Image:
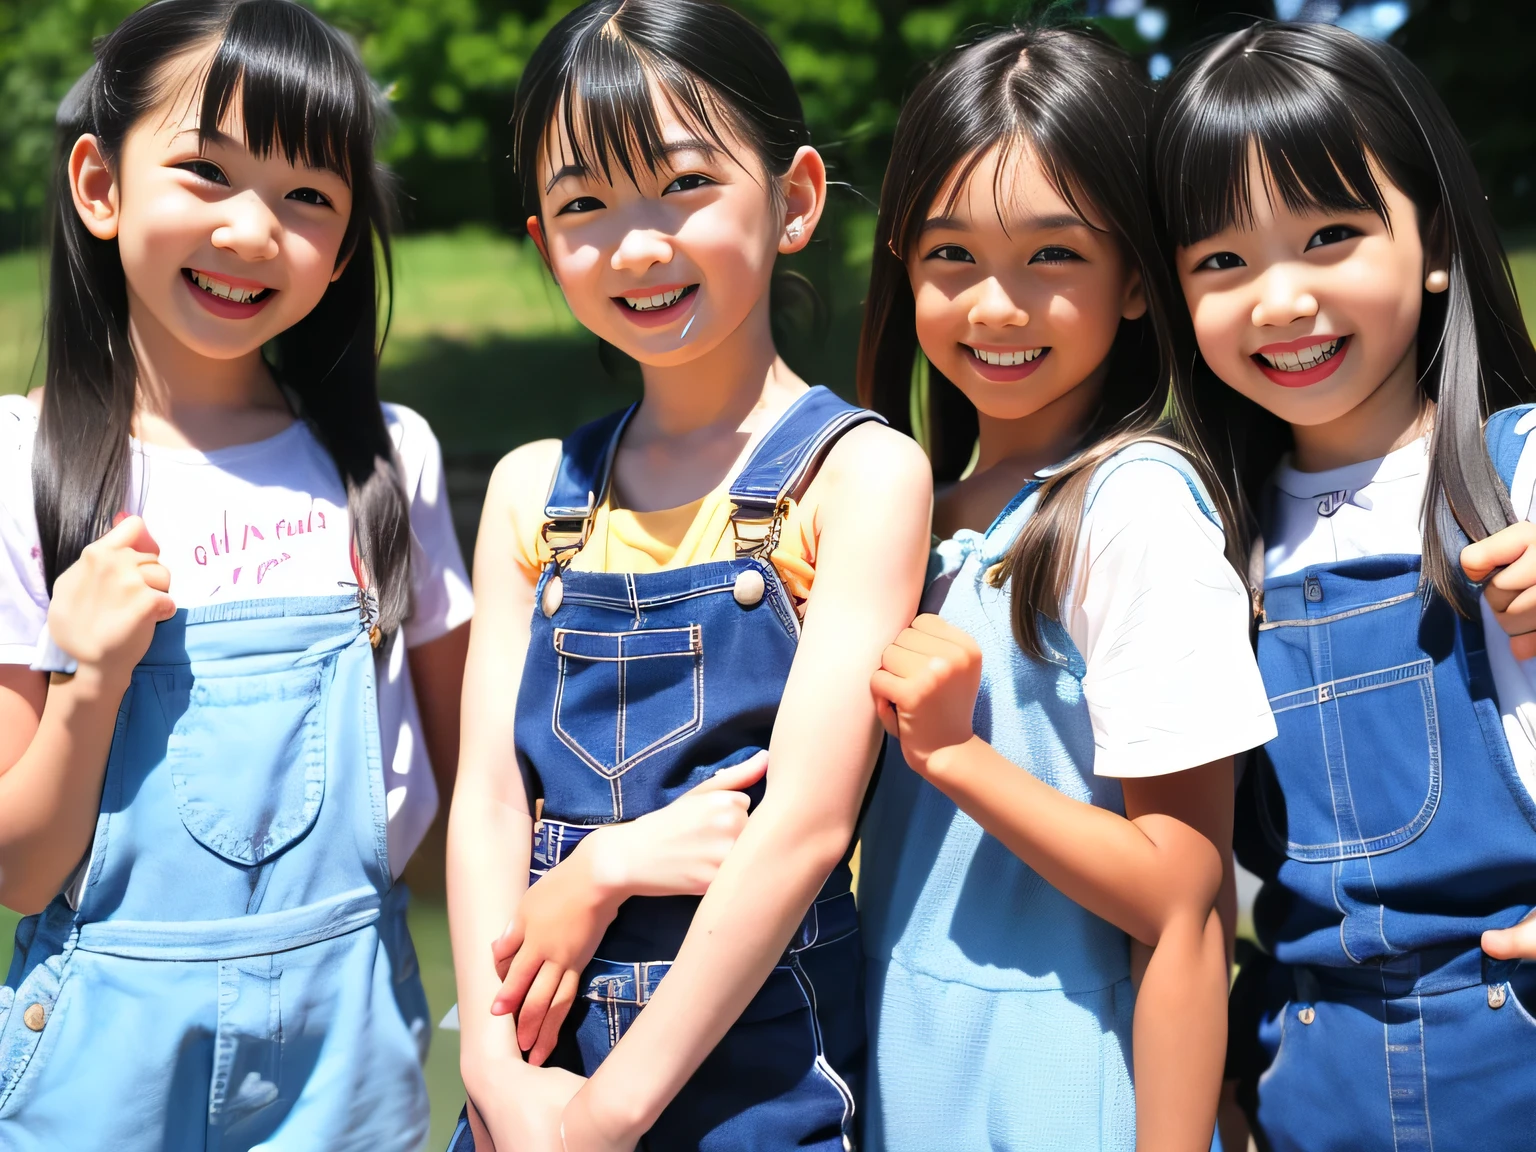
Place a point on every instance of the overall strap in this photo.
(581, 482)
(1506, 439)
(1163, 454)
(787, 455)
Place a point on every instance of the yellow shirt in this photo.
(626, 541)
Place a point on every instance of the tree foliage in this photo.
(451, 66)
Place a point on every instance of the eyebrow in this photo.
(691, 144)
(221, 138)
(1031, 223)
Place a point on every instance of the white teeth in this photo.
(1008, 359)
(1304, 358)
(225, 291)
(651, 303)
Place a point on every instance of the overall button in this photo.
(1313, 590)
(1307, 1014)
(1496, 995)
(35, 1017)
(749, 587)
(554, 593)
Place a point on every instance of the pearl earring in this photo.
(1437, 281)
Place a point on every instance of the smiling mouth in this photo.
(659, 301)
(222, 290)
(1009, 359)
(1303, 359)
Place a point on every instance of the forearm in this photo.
(737, 937)
(1140, 875)
(1179, 1039)
(50, 797)
(489, 844)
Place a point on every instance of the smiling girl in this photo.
(1070, 708)
(213, 760)
(707, 574)
(1351, 298)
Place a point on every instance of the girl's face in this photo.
(668, 266)
(1308, 313)
(1018, 298)
(222, 250)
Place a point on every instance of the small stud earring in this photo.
(794, 231)
(1437, 281)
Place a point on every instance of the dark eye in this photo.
(1054, 254)
(310, 196)
(951, 252)
(581, 204)
(206, 170)
(687, 183)
(1220, 262)
(1333, 234)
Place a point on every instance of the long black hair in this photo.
(1079, 104)
(301, 90)
(1321, 105)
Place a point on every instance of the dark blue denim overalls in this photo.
(1390, 828)
(637, 687)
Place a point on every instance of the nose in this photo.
(640, 250)
(250, 229)
(1283, 300)
(993, 307)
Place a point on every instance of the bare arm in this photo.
(490, 826)
(872, 515)
(437, 677)
(104, 612)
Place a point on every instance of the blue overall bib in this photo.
(638, 687)
(1391, 829)
(238, 971)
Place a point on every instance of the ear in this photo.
(94, 188)
(1133, 301)
(805, 198)
(536, 234)
(341, 265)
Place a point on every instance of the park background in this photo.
(481, 342)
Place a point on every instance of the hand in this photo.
(524, 1118)
(1517, 943)
(1509, 558)
(925, 689)
(674, 851)
(106, 604)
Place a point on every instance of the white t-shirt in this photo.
(1373, 508)
(1161, 620)
(259, 520)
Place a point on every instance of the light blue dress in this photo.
(999, 1010)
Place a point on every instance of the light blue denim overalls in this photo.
(239, 971)
(637, 687)
(1390, 827)
(1000, 1011)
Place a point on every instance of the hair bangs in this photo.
(608, 108)
(298, 88)
(1313, 149)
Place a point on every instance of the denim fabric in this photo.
(1000, 1010)
(238, 971)
(1391, 829)
(637, 688)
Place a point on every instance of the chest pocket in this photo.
(1355, 769)
(246, 755)
(623, 696)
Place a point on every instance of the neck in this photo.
(178, 385)
(1394, 415)
(718, 390)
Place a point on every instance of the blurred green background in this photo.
(482, 343)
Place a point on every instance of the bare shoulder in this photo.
(875, 463)
(514, 499)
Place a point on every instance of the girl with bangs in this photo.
(1070, 703)
(1356, 324)
(222, 563)
(672, 590)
